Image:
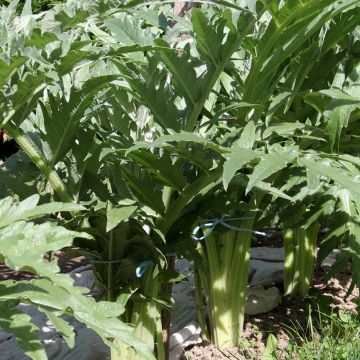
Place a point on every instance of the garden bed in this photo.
(291, 314)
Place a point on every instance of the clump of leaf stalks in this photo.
(111, 112)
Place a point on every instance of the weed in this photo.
(326, 337)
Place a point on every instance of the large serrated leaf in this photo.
(22, 245)
(327, 168)
(289, 29)
(282, 129)
(209, 38)
(183, 71)
(338, 113)
(39, 40)
(6, 70)
(161, 168)
(144, 190)
(116, 214)
(62, 118)
(270, 163)
(26, 333)
(28, 209)
(248, 136)
(61, 326)
(235, 161)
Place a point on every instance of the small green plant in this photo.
(325, 337)
(270, 349)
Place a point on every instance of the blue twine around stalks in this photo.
(139, 271)
(210, 224)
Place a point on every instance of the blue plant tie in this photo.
(142, 267)
(210, 224)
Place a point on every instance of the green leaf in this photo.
(338, 113)
(61, 326)
(39, 40)
(350, 206)
(209, 38)
(12, 213)
(7, 70)
(51, 208)
(148, 83)
(177, 137)
(282, 129)
(277, 158)
(288, 30)
(267, 188)
(277, 101)
(340, 95)
(172, 276)
(237, 105)
(62, 119)
(67, 63)
(26, 210)
(235, 161)
(29, 86)
(162, 168)
(127, 31)
(271, 347)
(144, 189)
(183, 71)
(22, 245)
(26, 333)
(313, 179)
(116, 214)
(247, 138)
(324, 167)
(69, 22)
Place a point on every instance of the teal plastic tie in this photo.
(210, 224)
(142, 267)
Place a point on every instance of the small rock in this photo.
(266, 273)
(84, 277)
(260, 300)
(265, 253)
(329, 261)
